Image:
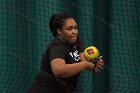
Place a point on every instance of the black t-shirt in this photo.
(58, 49)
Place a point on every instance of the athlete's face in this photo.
(69, 31)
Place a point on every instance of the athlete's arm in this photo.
(62, 70)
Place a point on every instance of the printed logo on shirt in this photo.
(75, 55)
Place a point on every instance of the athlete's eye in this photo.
(69, 28)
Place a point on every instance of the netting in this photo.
(112, 25)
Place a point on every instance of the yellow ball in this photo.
(92, 54)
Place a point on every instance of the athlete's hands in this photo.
(99, 65)
(90, 66)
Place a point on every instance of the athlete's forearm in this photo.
(67, 70)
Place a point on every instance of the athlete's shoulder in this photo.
(56, 44)
(55, 41)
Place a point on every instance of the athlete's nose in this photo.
(75, 30)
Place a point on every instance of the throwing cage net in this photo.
(112, 26)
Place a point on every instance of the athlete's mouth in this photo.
(74, 37)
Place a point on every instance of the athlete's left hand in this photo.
(99, 65)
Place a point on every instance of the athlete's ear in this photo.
(59, 31)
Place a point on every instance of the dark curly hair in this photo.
(57, 21)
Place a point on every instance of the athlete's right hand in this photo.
(90, 66)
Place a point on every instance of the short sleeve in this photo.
(80, 50)
(57, 51)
